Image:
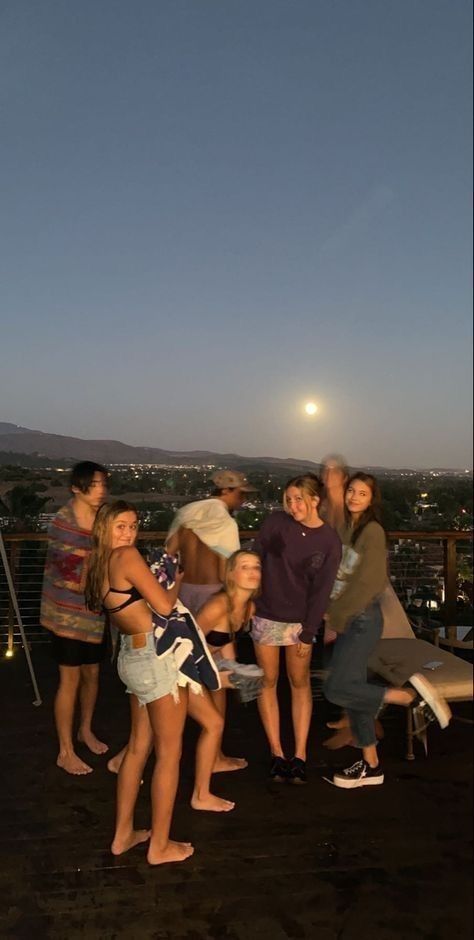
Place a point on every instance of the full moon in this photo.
(310, 408)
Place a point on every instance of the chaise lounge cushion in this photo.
(395, 660)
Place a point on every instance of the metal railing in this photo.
(424, 569)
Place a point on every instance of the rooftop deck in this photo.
(310, 862)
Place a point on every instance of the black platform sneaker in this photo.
(297, 771)
(360, 774)
(279, 771)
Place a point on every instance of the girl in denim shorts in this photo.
(120, 582)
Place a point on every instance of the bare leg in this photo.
(64, 705)
(341, 738)
(339, 725)
(343, 735)
(399, 696)
(128, 784)
(222, 763)
(167, 719)
(268, 658)
(203, 710)
(301, 698)
(88, 690)
(115, 762)
(370, 755)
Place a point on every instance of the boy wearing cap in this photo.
(205, 534)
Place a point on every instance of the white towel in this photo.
(211, 521)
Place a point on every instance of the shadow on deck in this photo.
(309, 862)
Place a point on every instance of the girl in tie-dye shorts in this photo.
(274, 632)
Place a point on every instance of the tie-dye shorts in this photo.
(274, 632)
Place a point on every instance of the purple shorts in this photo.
(194, 596)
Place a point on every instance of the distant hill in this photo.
(16, 440)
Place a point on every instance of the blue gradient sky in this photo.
(212, 211)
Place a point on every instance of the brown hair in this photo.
(373, 513)
(310, 486)
(101, 550)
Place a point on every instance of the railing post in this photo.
(13, 561)
(451, 587)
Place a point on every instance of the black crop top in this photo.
(215, 638)
(134, 595)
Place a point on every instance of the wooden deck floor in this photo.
(310, 862)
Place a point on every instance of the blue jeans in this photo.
(347, 683)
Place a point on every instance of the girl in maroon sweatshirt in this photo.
(300, 557)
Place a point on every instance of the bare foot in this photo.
(338, 725)
(342, 738)
(211, 803)
(379, 731)
(174, 852)
(73, 764)
(136, 837)
(93, 743)
(225, 764)
(115, 763)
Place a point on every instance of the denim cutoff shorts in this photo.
(144, 674)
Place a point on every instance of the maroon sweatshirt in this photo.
(299, 566)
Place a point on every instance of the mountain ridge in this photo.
(30, 441)
(19, 440)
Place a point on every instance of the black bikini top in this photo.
(218, 638)
(215, 638)
(133, 595)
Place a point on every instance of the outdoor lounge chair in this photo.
(400, 653)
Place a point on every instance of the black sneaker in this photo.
(297, 771)
(361, 774)
(279, 771)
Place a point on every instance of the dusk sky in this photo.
(213, 211)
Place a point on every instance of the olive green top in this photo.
(362, 575)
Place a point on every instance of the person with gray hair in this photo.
(334, 474)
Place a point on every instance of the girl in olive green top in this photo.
(355, 614)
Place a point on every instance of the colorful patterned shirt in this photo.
(63, 609)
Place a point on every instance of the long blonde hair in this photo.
(101, 551)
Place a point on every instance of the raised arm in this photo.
(173, 542)
(135, 570)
